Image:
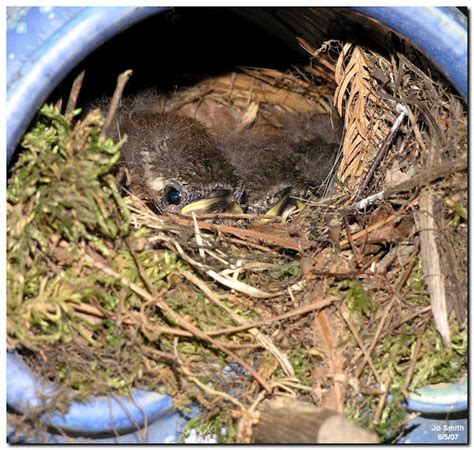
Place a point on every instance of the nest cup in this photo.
(45, 45)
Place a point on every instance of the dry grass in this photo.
(332, 307)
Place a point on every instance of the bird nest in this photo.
(355, 296)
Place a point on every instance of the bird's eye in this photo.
(173, 196)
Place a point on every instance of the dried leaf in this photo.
(351, 100)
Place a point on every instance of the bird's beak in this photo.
(222, 203)
(283, 208)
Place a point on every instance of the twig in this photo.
(250, 244)
(411, 369)
(406, 274)
(383, 150)
(375, 339)
(192, 99)
(423, 178)
(379, 410)
(361, 346)
(225, 281)
(370, 228)
(366, 231)
(416, 131)
(183, 323)
(141, 269)
(209, 293)
(409, 318)
(243, 233)
(264, 340)
(114, 104)
(441, 170)
(159, 353)
(355, 251)
(242, 287)
(197, 233)
(335, 363)
(74, 94)
(203, 386)
(90, 310)
(433, 273)
(295, 312)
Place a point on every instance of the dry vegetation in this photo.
(354, 297)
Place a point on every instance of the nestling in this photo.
(278, 165)
(176, 164)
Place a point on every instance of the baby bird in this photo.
(277, 165)
(175, 165)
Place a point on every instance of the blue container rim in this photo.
(86, 28)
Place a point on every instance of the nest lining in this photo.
(332, 307)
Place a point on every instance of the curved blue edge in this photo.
(36, 66)
(443, 398)
(440, 33)
(447, 49)
(46, 59)
(43, 46)
(103, 416)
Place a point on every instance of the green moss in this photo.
(219, 427)
(287, 271)
(393, 416)
(358, 300)
(441, 363)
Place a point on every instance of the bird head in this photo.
(175, 165)
(281, 165)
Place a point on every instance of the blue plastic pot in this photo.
(43, 45)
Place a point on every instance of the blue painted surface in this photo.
(43, 48)
(45, 44)
(99, 416)
(436, 431)
(29, 30)
(440, 33)
(167, 430)
(443, 398)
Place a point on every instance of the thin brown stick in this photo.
(411, 317)
(334, 359)
(192, 99)
(442, 170)
(379, 224)
(209, 390)
(370, 228)
(91, 310)
(114, 104)
(245, 326)
(411, 369)
(423, 178)
(376, 338)
(183, 323)
(242, 232)
(159, 353)
(251, 244)
(74, 94)
(355, 251)
(361, 346)
(406, 274)
(380, 407)
(382, 151)
(257, 334)
(141, 269)
(296, 312)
